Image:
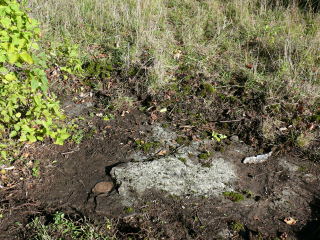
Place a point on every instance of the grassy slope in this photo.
(270, 50)
(215, 36)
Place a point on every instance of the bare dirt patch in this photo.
(260, 197)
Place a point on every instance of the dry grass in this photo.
(274, 44)
(216, 37)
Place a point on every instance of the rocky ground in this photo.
(153, 182)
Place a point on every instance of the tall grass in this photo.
(215, 37)
(271, 46)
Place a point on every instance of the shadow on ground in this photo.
(312, 230)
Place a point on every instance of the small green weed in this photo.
(65, 228)
(146, 146)
(122, 103)
(217, 136)
(77, 133)
(36, 168)
(77, 136)
(66, 55)
(207, 89)
(233, 196)
(248, 193)
(129, 210)
(204, 155)
(237, 226)
(181, 140)
(305, 139)
(108, 117)
(98, 69)
(182, 160)
(302, 169)
(206, 164)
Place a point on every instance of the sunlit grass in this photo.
(273, 45)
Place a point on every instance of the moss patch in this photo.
(233, 196)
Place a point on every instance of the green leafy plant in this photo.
(217, 136)
(36, 168)
(237, 226)
(108, 117)
(28, 112)
(66, 55)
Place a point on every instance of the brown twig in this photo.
(227, 121)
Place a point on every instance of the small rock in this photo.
(257, 159)
(309, 178)
(234, 138)
(289, 166)
(225, 234)
(102, 187)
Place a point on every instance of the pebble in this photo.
(309, 178)
(234, 138)
(102, 187)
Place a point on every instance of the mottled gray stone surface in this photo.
(176, 174)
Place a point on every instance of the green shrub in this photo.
(28, 112)
(66, 55)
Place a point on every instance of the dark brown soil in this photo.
(66, 185)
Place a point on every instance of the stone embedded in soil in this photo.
(288, 165)
(179, 174)
(234, 138)
(225, 234)
(257, 159)
(75, 109)
(309, 178)
(102, 187)
(164, 136)
(171, 175)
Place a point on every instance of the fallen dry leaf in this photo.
(26, 155)
(195, 138)
(124, 113)
(249, 66)
(311, 126)
(101, 55)
(177, 55)
(163, 110)
(162, 152)
(284, 236)
(290, 221)
(256, 218)
(153, 116)
(4, 178)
